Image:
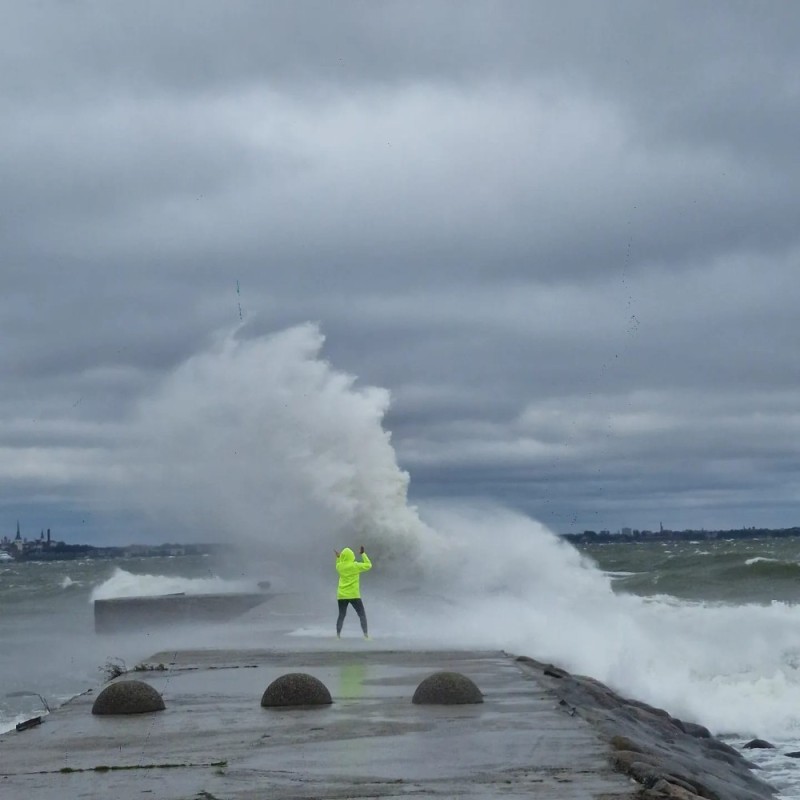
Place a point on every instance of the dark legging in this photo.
(359, 607)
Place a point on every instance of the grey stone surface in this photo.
(759, 744)
(447, 688)
(296, 689)
(654, 748)
(128, 697)
(214, 740)
(133, 613)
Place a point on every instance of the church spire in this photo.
(18, 536)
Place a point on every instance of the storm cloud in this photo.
(562, 236)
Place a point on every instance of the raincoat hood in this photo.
(347, 555)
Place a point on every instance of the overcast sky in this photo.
(563, 236)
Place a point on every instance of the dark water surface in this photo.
(731, 571)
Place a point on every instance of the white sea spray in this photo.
(262, 445)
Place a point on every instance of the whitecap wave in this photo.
(513, 585)
(259, 441)
(128, 584)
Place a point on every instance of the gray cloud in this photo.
(563, 237)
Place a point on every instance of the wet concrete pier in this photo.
(215, 741)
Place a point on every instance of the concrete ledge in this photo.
(214, 739)
(122, 613)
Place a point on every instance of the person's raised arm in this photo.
(365, 562)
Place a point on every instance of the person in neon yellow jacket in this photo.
(349, 591)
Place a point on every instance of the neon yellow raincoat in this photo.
(349, 573)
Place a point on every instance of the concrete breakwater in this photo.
(121, 613)
(538, 732)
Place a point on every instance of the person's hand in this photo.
(337, 553)
(361, 551)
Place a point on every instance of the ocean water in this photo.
(50, 651)
(660, 622)
(744, 596)
(258, 442)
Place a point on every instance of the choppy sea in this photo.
(757, 583)
(708, 629)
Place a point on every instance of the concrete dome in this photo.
(128, 697)
(296, 689)
(447, 688)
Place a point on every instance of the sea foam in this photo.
(260, 443)
(128, 584)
